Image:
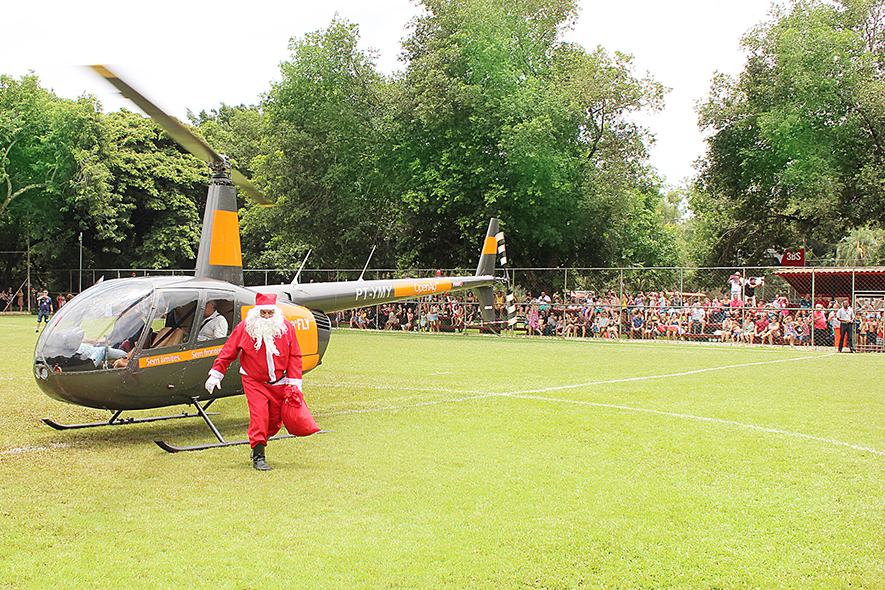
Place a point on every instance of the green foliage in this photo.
(493, 116)
(49, 148)
(797, 154)
(863, 246)
(237, 132)
(68, 169)
(161, 190)
(319, 160)
(496, 117)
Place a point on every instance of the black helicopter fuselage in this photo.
(106, 348)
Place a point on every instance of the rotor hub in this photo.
(220, 171)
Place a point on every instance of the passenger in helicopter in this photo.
(214, 325)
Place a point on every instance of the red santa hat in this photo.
(266, 301)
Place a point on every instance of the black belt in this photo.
(277, 381)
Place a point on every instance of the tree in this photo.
(319, 157)
(68, 169)
(495, 116)
(862, 246)
(796, 154)
(46, 143)
(158, 191)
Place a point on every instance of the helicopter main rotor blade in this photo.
(181, 134)
(250, 189)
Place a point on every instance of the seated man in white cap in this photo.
(270, 363)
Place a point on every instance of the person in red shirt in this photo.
(821, 332)
(270, 364)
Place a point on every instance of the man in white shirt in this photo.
(736, 283)
(698, 315)
(845, 316)
(214, 325)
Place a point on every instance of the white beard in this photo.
(265, 330)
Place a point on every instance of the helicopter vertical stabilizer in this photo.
(486, 267)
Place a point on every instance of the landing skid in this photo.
(117, 421)
(201, 411)
(224, 443)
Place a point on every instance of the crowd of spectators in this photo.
(12, 301)
(430, 314)
(741, 316)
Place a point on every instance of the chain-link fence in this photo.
(724, 304)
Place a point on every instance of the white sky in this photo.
(183, 56)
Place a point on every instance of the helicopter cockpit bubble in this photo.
(97, 327)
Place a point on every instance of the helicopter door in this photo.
(174, 316)
(216, 318)
(162, 349)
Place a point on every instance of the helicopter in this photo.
(139, 343)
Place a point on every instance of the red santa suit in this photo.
(266, 376)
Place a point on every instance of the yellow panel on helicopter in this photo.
(225, 248)
(422, 287)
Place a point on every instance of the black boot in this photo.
(258, 461)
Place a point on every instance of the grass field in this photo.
(470, 462)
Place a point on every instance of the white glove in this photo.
(211, 383)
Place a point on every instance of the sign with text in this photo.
(793, 257)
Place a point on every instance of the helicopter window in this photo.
(217, 317)
(99, 327)
(173, 318)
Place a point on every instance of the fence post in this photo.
(813, 307)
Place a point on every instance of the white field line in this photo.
(527, 395)
(700, 418)
(480, 394)
(416, 405)
(20, 450)
(668, 375)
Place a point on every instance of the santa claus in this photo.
(270, 363)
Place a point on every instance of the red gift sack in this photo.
(296, 417)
